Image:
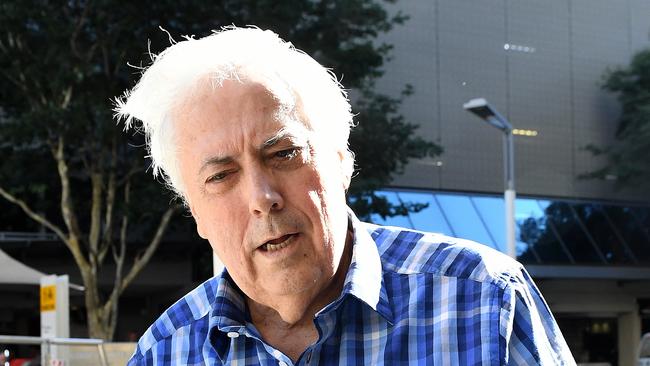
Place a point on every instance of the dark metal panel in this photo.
(639, 16)
(454, 50)
(472, 64)
(540, 94)
(413, 62)
(599, 36)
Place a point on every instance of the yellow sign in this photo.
(48, 298)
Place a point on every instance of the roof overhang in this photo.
(589, 272)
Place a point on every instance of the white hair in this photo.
(228, 55)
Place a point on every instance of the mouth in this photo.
(277, 243)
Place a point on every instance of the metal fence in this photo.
(47, 343)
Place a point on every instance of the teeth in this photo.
(271, 247)
(274, 247)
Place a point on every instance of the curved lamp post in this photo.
(481, 108)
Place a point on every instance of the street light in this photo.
(486, 112)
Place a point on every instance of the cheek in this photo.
(323, 198)
(223, 228)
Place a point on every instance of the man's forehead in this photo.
(227, 109)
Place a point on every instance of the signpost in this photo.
(55, 318)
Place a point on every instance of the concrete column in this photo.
(629, 335)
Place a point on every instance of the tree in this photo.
(62, 62)
(59, 68)
(383, 142)
(627, 156)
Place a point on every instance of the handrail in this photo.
(11, 236)
(14, 339)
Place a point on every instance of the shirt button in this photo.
(233, 334)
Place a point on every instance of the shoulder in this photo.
(405, 251)
(186, 319)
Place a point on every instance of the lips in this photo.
(277, 243)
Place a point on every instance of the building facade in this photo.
(541, 64)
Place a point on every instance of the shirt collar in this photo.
(229, 309)
(363, 281)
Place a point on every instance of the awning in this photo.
(13, 272)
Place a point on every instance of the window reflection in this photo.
(402, 221)
(561, 216)
(630, 223)
(547, 232)
(429, 219)
(464, 219)
(611, 245)
(491, 210)
(545, 245)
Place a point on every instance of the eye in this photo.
(287, 154)
(216, 178)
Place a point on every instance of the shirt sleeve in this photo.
(529, 332)
(136, 360)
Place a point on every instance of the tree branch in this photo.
(95, 217)
(119, 258)
(118, 64)
(140, 262)
(69, 215)
(33, 215)
(15, 81)
(67, 96)
(133, 171)
(77, 30)
(111, 304)
(107, 236)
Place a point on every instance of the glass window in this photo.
(429, 219)
(611, 245)
(633, 224)
(561, 216)
(547, 232)
(543, 243)
(492, 211)
(401, 221)
(464, 219)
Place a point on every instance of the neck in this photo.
(290, 320)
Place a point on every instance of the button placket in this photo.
(278, 356)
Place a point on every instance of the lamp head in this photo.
(482, 109)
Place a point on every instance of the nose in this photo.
(264, 198)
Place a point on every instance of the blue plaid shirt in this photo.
(409, 298)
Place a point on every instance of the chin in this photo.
(295, 283)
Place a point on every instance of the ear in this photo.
(199, 227)
(346, 168)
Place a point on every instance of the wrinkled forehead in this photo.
(232, 102)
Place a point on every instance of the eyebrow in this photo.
(273, 140)
(267, 144)
(215, 160)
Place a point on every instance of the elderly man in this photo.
(252, 134)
